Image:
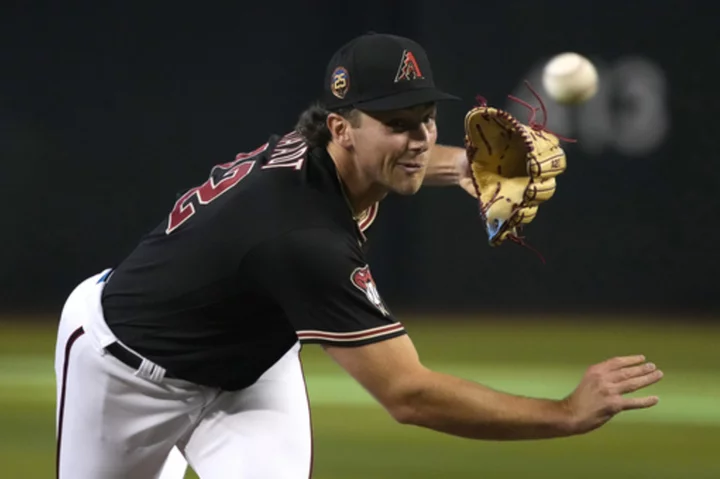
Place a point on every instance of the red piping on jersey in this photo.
(351, 336)
(370, 218)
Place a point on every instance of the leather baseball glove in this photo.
(513, 167)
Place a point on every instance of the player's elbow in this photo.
(407, 405)
(403, 413)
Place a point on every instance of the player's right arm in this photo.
(320, 280)
(391, 371)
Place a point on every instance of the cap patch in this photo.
(340, 82)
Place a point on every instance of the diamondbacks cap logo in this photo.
(340, 82)
(363, 280)
(409, 68)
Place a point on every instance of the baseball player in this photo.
(191, 343)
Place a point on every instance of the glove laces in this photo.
(521, 241)
(534, 125)
(539, 127)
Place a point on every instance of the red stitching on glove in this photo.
(533, 111)
(521, 241)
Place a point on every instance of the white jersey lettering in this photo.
(289, 152)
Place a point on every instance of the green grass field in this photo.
(355, 438)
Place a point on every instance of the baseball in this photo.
(570, 78)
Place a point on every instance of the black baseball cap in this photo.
(375, 72)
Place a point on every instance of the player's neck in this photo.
(360, 192)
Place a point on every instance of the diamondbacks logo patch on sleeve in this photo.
(362, 279)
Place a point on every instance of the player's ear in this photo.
(339, 128)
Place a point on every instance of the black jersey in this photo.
(262, 254)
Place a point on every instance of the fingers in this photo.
(639, 403)
(633, 377)
(623, 362)
(633, 384)
(540, 191)
(526, 215)
(633, 372)
(548, 165)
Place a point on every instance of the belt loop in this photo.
(151, 371)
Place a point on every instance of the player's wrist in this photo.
(568, 422)
(462, 166)
(447, 165)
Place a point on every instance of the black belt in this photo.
(120, 352)
(129, 358)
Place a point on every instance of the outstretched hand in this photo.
(601, 392)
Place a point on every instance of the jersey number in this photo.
(206, 193)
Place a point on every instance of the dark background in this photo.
(108, 109)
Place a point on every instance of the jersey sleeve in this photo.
(323, 284)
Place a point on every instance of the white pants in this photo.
(114, 422)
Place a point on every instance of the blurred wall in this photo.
(107, 111)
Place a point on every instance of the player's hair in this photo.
(312, 124)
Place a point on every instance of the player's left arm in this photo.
(448, 166)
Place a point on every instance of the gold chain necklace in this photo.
(359, 217)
